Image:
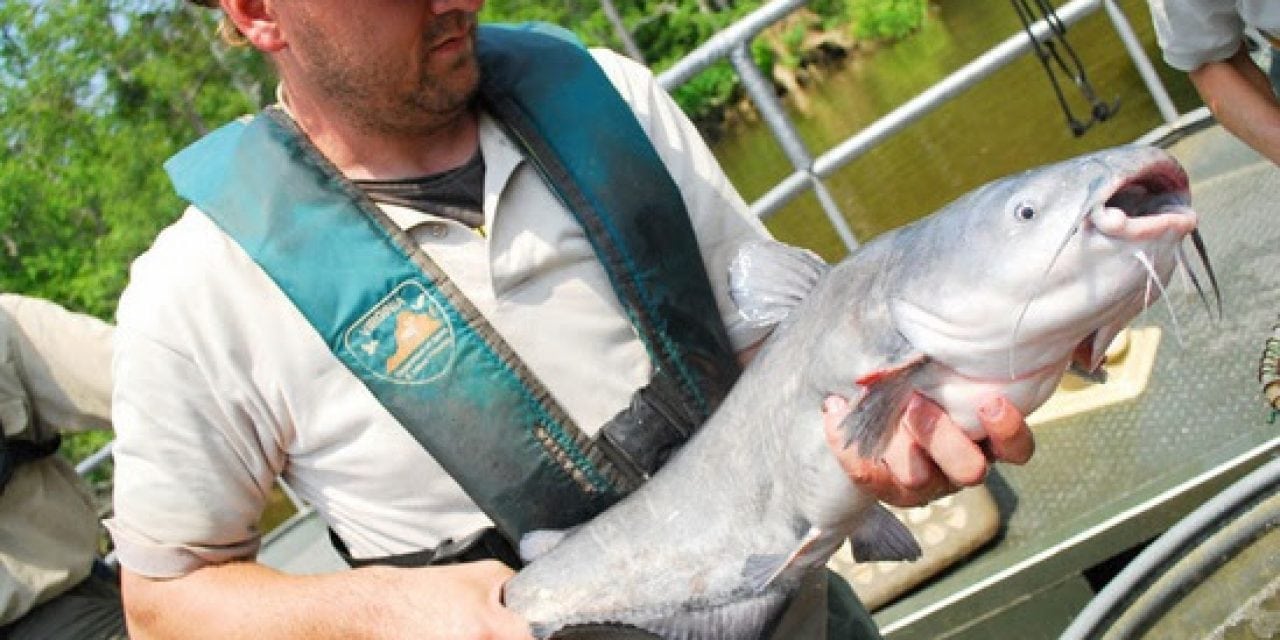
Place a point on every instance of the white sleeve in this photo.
(1192, 33)
(194, 460)
(721, 219)
(63, 360)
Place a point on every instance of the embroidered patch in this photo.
(406, 338)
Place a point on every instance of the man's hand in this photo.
(928, 455)
(466, 604)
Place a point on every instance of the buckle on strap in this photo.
(15, 451)
(654, 426)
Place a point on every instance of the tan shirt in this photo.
(54, 376)
(1192, 33)
(221, 384)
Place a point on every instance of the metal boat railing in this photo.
(734, 43)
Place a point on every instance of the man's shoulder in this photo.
(621, 70)
(190, 246)
(190, 264)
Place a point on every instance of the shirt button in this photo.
(435, 229)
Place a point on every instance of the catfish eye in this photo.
(1024, 212)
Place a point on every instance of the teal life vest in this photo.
(391, 316)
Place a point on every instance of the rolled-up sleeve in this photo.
(193, 461)
(1192, 33)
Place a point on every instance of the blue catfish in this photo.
(997, 293)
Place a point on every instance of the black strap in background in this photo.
(485, 544)
(14, 452)
(1054, 62)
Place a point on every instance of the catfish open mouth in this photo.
(1162, 187)
(1150, 202)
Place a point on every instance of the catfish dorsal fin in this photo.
(882, 537)
(768, 279)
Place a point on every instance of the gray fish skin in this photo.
(714, 544)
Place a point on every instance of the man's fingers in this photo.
(958, 457)
(908, 463)
(876, 478)
(1009, 438)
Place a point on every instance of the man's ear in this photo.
(256, 21)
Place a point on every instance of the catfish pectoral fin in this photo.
(884, 396)
(761, 570)
(882, 537)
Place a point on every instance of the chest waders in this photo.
(392, 317)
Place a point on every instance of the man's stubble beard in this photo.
(373, 99)
(374, 104)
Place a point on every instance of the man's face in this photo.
(394, 66)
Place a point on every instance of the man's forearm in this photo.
(1240, 97)
(250, 600)
(245, 600)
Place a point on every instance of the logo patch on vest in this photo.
(406, 338)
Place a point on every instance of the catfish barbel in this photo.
(997, 293)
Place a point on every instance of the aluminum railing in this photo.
(734, 44)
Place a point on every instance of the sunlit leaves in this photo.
(94, 96)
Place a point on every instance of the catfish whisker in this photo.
(1146, 294)
(1022, 315)
(1198, 242)
(1189, 276)
(1154, 277)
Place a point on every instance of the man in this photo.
(477, 349)
(1207, 40)
(54, 377)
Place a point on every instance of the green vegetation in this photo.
(94, 95)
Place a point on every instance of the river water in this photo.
(1009, 122)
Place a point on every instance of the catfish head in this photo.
(1003, 289)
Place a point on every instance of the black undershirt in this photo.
(457, 194)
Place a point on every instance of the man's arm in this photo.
(1240, 97)
(250, 600)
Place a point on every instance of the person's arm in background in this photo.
(1240, 96)
(65, 361)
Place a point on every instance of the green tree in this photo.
(94, 96)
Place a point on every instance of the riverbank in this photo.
(800, 52)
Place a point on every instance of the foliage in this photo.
(94, 96)
(886, 19)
